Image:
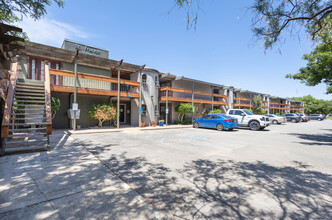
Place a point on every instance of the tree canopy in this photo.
(104, 112)
(12, 10)
(272, 18)
(183, 109)
(315, 106)
(319, 66)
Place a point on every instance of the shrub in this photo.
(104, 112)
(183, 109)
(250, 110)
(257, 105)
(215, 111)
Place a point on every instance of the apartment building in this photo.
(143, 94)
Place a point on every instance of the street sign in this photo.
(140, 110)
(75, 106)
(130, 96)
(166, 110)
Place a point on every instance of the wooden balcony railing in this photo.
(183, 95)
(94, 84)
(242, 99)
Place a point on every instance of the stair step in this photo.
(30, 90)
(25, 141)
(29, 97)
(23, 135)
(27, 129)
(30, 113)
(25, 149)
(27, 124)
(29, 105)
(29, 84)
(29, 101)
(30, 87)
(25, 118)
(30, 94)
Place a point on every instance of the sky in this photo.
(220, 50)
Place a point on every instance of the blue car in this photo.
(218, 121)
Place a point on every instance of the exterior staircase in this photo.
(27, 121)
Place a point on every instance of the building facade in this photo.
(143, 92)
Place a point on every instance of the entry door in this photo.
(122, 115)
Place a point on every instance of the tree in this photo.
(273, 17)
(104, 112)
(319, 66)
(12, 10)
(183, 109)
(315, 106)
(257, 105)
(55, 105)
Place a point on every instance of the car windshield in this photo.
(248, 112)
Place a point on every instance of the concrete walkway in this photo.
(67, 182)
(127, 128)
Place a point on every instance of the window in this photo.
(144, 77)
(232, 112)
(57, 77)
(156, 79)
(42, 70)
(33, 69)
(144, 109)
(206, 117)
(237, 112)
(215, 117)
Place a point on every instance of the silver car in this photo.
(276, 119)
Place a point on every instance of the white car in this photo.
(276, 119)
(248, 119)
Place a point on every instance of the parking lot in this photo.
(282, 172)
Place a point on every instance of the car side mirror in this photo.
(242, 114)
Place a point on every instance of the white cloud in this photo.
(50, 32)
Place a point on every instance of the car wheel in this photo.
(220, 127)
(319, 119)
(294, 120)
(196, 125)
(275, 122)
(254, 125)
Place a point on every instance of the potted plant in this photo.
(143, 124)
(153, 124)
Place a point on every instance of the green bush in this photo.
(183, 109)
(215, 111)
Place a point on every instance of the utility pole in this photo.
(75, 91)
(167, 105)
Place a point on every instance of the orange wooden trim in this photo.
(242, 99)
(201, 101)
(9, 101)
(190, 91)
(68, 89)
(242, 105)
(48, 100)
(93, 77)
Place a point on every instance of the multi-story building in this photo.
(144, 93)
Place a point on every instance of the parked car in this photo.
(304, 117)
(318, 117)
(292, 117)
(248, 119)
(218, 121)
(276, 119)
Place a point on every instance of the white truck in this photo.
(248, 119)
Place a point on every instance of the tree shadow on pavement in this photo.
(315, 139)
(226, 189)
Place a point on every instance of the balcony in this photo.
(182, 95)
(63, 81)
(279, 106)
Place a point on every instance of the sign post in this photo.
(75, 91)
